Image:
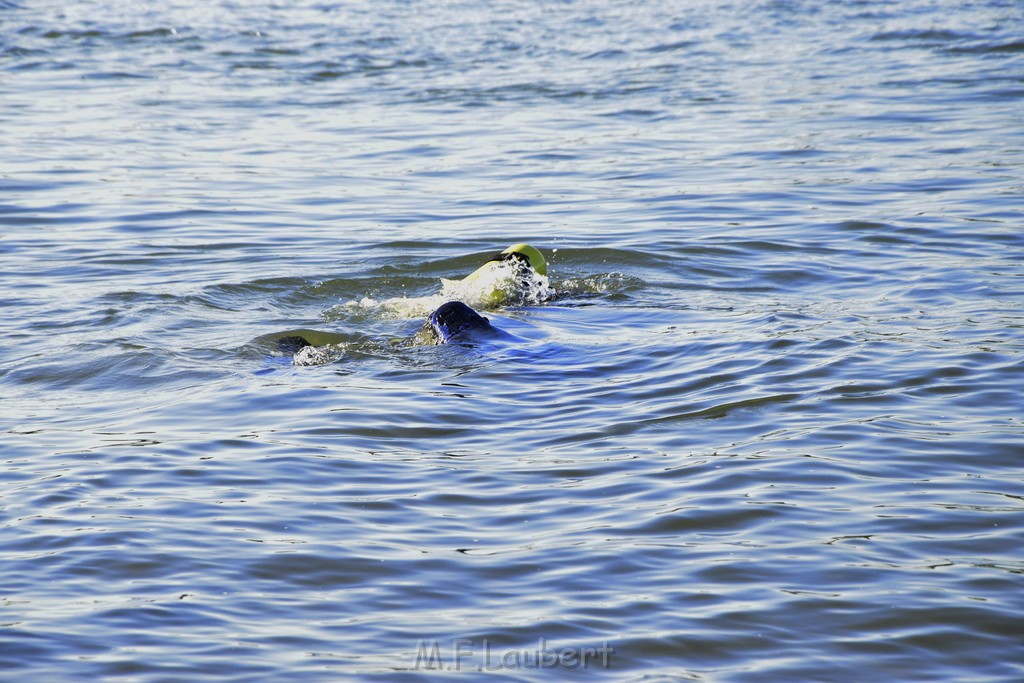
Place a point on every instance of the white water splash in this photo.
(506, 283)
(318, 355)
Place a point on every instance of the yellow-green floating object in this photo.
(521, 251)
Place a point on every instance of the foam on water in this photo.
(505, 283)
(319, 355)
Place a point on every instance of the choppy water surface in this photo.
(767, 428)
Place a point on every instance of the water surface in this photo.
(767, 428)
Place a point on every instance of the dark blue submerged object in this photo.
(451, 322)
(455, 321)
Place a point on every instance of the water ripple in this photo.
(763, 424)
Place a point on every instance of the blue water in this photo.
(767, 427)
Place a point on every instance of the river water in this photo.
(766, 427)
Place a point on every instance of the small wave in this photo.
(160, 32)
(1011, 47)
(593, 285)
(922, 35)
